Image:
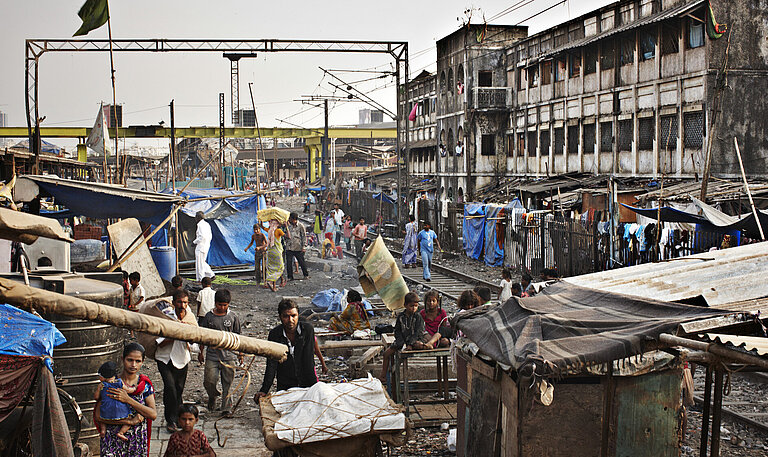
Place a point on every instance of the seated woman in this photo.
(434, 316)
(354, 317)
(328, 247)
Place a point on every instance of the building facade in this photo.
(472, 111)
(635, 88)
(422, 131)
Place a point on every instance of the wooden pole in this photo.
(114, 97)
(45, 301)
(145, 240)
(258, 131)
(203, 168)
(749, 193)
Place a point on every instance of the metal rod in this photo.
(705, 411)
(749, 193)
(114, 97)
(260, 147)
(717, 413)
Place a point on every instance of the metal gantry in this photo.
(36, 48)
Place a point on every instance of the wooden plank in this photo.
(482, 417)
(483, 368)
(510, 444)
(350, 344)
(358, 361)
(121, 234)
(388, 338)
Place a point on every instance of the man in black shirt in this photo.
(298, 370)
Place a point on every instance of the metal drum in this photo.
(88, 345)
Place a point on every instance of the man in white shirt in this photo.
(338, 220)
(202, 244)
(173, 357)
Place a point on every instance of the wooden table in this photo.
(400, 369)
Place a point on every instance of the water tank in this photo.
(165, 261)
(89, 344)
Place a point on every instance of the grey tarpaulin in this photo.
(566, 326)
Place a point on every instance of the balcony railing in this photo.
(490, 97)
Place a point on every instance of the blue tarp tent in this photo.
(28, 335)
(380, 196)
(494, 254)
(106, 201)
(474, 229)
(231, 220)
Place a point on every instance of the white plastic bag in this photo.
(451, 441)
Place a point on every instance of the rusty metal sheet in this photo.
(646, 412)
(755, 344)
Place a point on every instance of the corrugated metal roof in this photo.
(756, 344)
(728, 276)
(660, 16)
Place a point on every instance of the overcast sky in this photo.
(71, 85)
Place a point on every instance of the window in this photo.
(625, 135)
(532, 144)
(442, 82)
(693, 130)
(522, 78)
(560, 70)
(647, 45)
(590, 60)
(533, 76)
(606, 136)
(627, 55)
(608, 54)
(668, 138)
(521, 144)
(670, 38)
(695, 33)
(589, 138)
(559, 140)
(488, 145)
(450, 81)
(573, 139)
(575, 66)
(544, 142)
(646, 133)
(485, 78)
(546, 72)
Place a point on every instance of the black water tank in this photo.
(89, 344)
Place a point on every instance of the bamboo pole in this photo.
(47, 302)
(749, 193)
(718, 350)
(145, 240)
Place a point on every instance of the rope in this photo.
(239, 400)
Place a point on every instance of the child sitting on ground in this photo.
(354, 317)
(110, 408)
(409, 332)
(188, 441)
(434, 316)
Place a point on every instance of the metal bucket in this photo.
(88, 345)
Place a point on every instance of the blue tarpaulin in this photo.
(380, 196)
(106, 201)
(333, 300)
(474, 229)
(24, 333)
(316, 188)
(494, 254)
(231, 220)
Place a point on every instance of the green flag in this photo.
(94, 14)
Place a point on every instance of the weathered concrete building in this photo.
(632, 89)
(422, 132)
(472, 111)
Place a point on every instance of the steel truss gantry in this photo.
(36, 48)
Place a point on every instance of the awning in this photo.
(755, 344)
(26, 228)
(383, 198)
(660, 16)
(422, 144)
(711, 220)
(105, 201)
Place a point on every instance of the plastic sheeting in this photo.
(328, 411)
(333, 300)
(474, 229)
(380, 196)
(232, 221)
(24, 333)
(494, 252)
(711, 221)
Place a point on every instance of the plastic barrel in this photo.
(165, 261)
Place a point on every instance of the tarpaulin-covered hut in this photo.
(570, 372)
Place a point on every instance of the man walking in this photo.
(338, 220)
(360, 233)
(173, 357)
(425, 239)
(219, 362)
(295, 245)
(202, 244)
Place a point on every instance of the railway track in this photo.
(746, 403)
(448, 282)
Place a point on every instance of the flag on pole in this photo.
(94, 14)
(98, 139)
(714, 29)
(412, 116)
